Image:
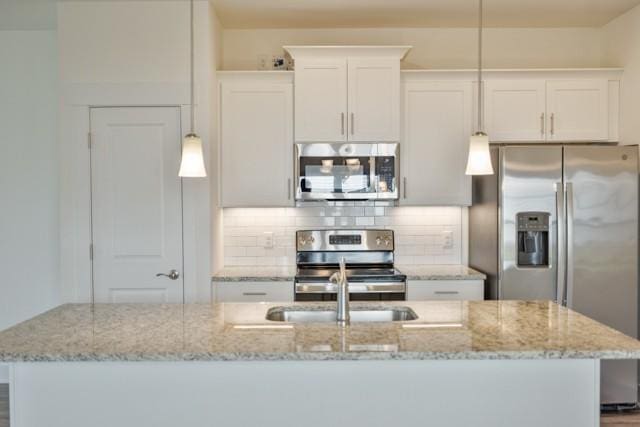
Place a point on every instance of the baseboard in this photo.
(4, 374)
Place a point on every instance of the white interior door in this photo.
(515, 110)
(136, 204)
(321, 100)
(578, 110)
(374, 99)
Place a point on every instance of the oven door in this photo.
(346, 171)
(358, 291)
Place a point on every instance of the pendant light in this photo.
(479, 161)
(192, 164)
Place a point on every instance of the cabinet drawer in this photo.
(253, 291)
(426, 290)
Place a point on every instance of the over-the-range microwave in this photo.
(347, 171)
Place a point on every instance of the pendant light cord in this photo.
(191, 65)
(480, 88)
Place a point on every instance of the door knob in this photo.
(173, 275)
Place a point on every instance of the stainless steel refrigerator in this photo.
(561, 223)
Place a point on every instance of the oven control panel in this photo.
(344, 240)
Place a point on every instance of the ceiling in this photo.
(417, 13)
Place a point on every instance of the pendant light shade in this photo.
(479, 160)
(192, 163)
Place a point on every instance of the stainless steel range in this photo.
(369, 260)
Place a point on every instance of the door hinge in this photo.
(91, 251)
(89, 140)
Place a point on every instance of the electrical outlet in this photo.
(447, 239)
(267, 239)
(264, 62)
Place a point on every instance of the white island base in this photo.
(411, 393)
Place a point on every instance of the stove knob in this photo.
(378, 241)
(387, 241)
(302, 241)
(312, 239)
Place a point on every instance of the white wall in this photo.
(217, 250)
(131, 53)
(432, 47)
(29, 241)
(622, 49)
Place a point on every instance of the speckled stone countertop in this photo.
(239, 332)
(440, 272)
(285, 274)
(255, 274)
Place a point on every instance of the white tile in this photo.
(235, 251)
(315, 221)
(345, 221)
(365, 220)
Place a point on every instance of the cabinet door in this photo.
(515, 110)
(374, 99)
(455, 290)
(578, 110)
(435, 144)
(256, 131)
(321, 100)
(254, 291)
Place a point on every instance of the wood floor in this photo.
(608, 420)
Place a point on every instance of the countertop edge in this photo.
(328, 356)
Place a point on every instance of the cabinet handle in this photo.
(446, 292)
(353, 120)
(542, 124)
(342, 123)
(553, 124)
(288, 188)
(254, 294)
(404, 187)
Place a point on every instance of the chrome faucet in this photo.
(340, 279)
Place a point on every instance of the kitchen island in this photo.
(493, 363)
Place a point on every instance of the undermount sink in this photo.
(304, 315)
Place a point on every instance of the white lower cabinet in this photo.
(253, 291)
(427, 290)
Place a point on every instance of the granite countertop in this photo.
(285, 274)
(255, 274)
(440, 272)
(222, 332)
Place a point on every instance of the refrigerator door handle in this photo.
(560, 247)
(569, 263)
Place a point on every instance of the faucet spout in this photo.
(343, 317)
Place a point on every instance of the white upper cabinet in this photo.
(374, 99)
(256, 131)
(550, 110)
(578, 110)
(435, 144)
(321, 100)
(347, 93)
(515, 110)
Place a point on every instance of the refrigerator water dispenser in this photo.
(533, 239)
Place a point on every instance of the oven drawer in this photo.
(428, 290)
(253, 291)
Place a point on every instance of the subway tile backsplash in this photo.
(423, 234)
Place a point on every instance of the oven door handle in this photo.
(357, 288)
